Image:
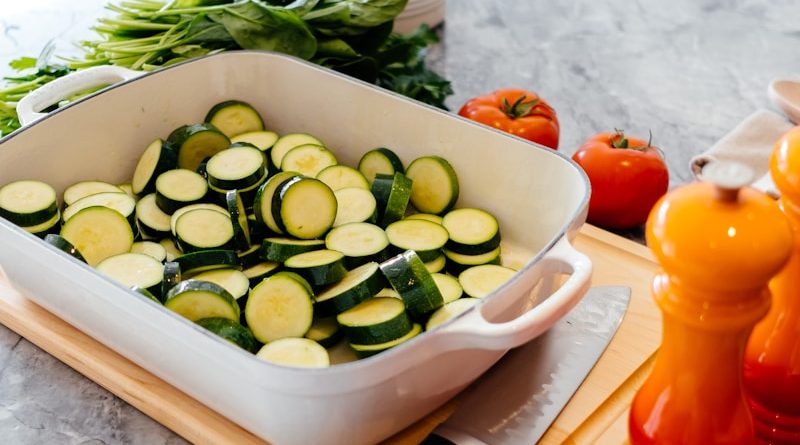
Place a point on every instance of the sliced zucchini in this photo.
(288, 142)
(28, 203)
(146, 293)
(376, 320)
(45, 228)
(233, 280)
(171, 248)
(392, 194)
(157, 158)
(437, 264)
(153, 222)
(426, 216)
(281, 249)
(338, 177)
(119, 201)
(236, 168)
(85, 188)
(472, 231)
(203, 229)
(449, 287)
(173, 219)
(409, 277)
(295, 352)
(196, 262)
(319, 267)
(360, 284)
(359, 242)
(308, 159)
(234, 117)
(263, 140)
(363, 351)
(238, 217)
(195, 143)
(98, 233)
(231, 331)
(435, 184)
(424, 237)
(279, 307)
(134, 269)
(388, 292)
(250, 257)
(262, 206)
(128, 189)
(258, 231)
(480, 281)
(196, 300)
(172, 276)
(179, 188)
(325, 331)
(355, 204)
(256, 273)
(380, 160)
(457, 263)
(63, 245)
(304, 207)
(450, 310)
(150, 248)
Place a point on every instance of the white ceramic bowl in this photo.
(539, 196)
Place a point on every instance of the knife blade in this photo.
(516, 401)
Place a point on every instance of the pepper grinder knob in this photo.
(729, 177)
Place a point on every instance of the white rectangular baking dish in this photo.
(539, 196)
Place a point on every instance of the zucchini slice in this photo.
(178, 188)
(172, 276)
(359, 242)
(424, 237)
(338, 177)
(437, 264)
(128, 190)
(257, 272)
(480, 281)
(231, 331)
(45, 228)
(146, 293)
(295, 352)
(392, 194)
(457, 263)
(355, 204)
(28, 203)
(153, 222)
(203, 229)
(134, 269)
(195, 143)
(450, 310)
(388, 292)
(281, 249)
(363, 351)
(157, 158)
(238, 217)
(308, 159)
(172, 249)
(119, 201)
(196, 262)
(278, 307)
(98, 233)
(236, 168)
(233, 280)
(376, 320)
(449, 287)
(304, 207)
(150, 248)
(360, 284)
(325, 331)
(250, 257)
(234, 117)
(472, 231)
(196, 300)
(426, 216)
(435, 184)
(409, 277)
(173, 219)
(288, 142)
(318, 267)
(63, 245)
(85, 188)
(262, 206)
(379, 160)
(263, 140)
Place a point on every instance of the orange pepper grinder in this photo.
(772, 357)
(718, 243)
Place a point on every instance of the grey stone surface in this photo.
(689, 70)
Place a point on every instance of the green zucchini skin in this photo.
(325, 331)
(184, 289)
(146, 293)
(63, 245)
(231, 331)
(250, 256)
(259, 271)
(281, 249)
(409, 277)
(381, 331)
(167, 159)
(203, 260)
(21, 191)
(300, 224)
(428, 194)
(245, 118)
(364, 351)
(392, 193)
(241, 228)
(380, 160)
(474, 249)
(172, 276)
(335, 299)
(197, 142)
(321, 275)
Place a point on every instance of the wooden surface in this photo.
(597, 414)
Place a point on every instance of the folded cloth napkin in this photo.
(750, 143)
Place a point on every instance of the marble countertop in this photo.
(688, 70)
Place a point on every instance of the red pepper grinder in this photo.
(772, 357)
(718, 243)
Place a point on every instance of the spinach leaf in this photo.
(354, 13)
(301, 7)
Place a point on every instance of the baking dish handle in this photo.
(474, 331)
(29, 107)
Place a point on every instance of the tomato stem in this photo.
(520, 107)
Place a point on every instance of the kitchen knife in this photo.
(517, 400)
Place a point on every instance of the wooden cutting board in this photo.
(597, 414)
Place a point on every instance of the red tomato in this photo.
(628, 176)
(519, 112)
